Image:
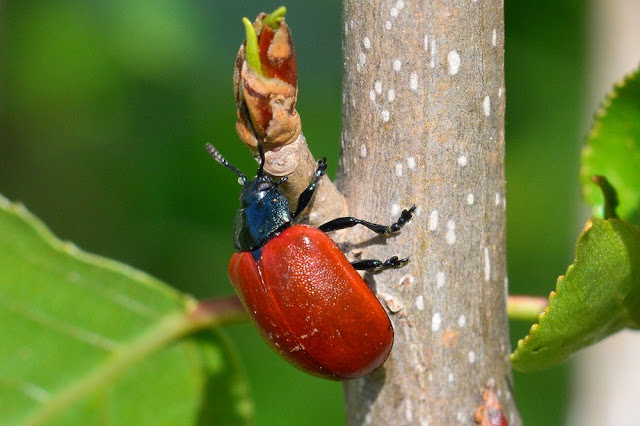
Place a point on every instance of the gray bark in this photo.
(423, 124)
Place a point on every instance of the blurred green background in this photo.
(105, 107)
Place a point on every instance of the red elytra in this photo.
(311, 306)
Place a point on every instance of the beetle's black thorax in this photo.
(264, 212)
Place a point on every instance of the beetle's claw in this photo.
(394, 262)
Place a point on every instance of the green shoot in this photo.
(251, 47)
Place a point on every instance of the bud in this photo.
(490, 412)
(265, 83)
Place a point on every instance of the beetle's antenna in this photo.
(261, 152)
(220, 159)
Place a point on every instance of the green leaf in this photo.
(87, 340)
(598, 296)
(251, 46)
(274, 18)
(613, 150)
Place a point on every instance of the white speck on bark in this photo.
(391, 95)
(392, 303)
(432, 62)
(436, 321)
(486, 105)
(487, 264)
(420, 302)
(413, 81)
(451, 236)
(433, 220)
(462, 321)
(408, 412)
(440, 279)
(454, 62)
(451, 232)
(470, 199)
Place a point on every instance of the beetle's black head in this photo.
(255, 190)
(264, 210)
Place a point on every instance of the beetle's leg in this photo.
(305, 196)
(281, 181)
(348, 222)
(377, 265)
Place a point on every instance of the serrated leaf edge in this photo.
(552, 298)
(587, 150)
(558, 290)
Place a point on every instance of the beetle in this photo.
(306, 299)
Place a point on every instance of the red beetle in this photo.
(305, 298)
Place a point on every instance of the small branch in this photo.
(266, 91)
(218, 312)
(525, 308)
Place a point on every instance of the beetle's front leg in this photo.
(305, 196)
(377, 265)
(348, 222)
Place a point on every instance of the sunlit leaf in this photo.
(598, 296)
(86, 340)
(613, 150)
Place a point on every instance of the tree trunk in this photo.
(423, 124)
